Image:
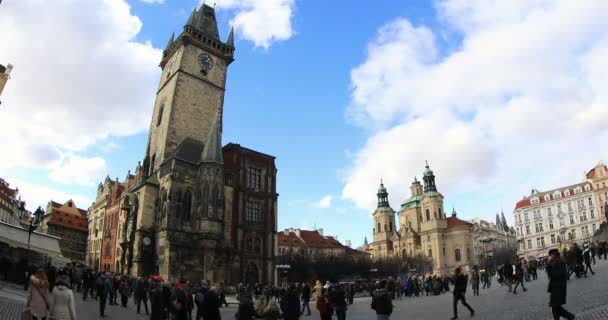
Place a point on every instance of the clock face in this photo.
(146, 241)
(205, 61)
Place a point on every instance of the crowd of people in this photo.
(51, 292)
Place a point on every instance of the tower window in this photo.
(159, 118)
(152, 164)
(457, 255)
(379, 229)
(428, 215)
(390, 227)
(187, 205)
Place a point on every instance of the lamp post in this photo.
(31, 225)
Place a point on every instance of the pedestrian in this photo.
(460, 289)
(37, 299)
(157, 304)
(338, 300)
(211, 305)
(271, 312)
(558, 281)
(179, 302)
(324, 306)
(141, 293)
(316, 290)
(62, 304)
(123, 290)
(475, 280)
(587, 259)
(519, 276)
(305, 299)
(381, 301)
(103, 290)
(246, 310)
(199, 298)
(507, 271)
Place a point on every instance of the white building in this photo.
(544, 220)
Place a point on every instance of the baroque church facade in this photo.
(423, 229)
(198, 210)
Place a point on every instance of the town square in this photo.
(292, 159)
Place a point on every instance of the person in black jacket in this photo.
(382, 302)
(157, 305)
(305, 299)
(507, 271)
(558, 280)
(460, 288)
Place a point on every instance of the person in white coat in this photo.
(62, 300)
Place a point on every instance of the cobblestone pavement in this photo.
(587, 298)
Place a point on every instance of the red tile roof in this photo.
(591, 173)
(308, 238)
(455, 222)
(541, 195)
(68, 216)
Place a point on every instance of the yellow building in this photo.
(424, 228)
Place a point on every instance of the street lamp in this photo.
(31, 225)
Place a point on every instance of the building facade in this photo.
(252, 177)
(309, 242)
(69, 223)
(598, 177)
(488, 237)
(11, 207)
(110, 231)
(550, 219)
(424, 229)
(197, 211)
(97, 218)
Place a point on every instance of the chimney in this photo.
(298, 232)
(348, 243)
(286, 232)
(320, 231)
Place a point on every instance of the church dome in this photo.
(427, 170)
(382, 189)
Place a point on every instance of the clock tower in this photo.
(191, 88)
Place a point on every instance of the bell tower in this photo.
(191, 88)
(384, 224)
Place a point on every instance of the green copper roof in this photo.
(414, 202)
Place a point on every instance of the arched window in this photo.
(385, 228)
(390, 226)
(159, 118)
(440, 214)
(256, 245)
(205, 199)
(379, 229)
(187, 204)
(428, 215)
(249, 244)
(403, 252)
(215, 200)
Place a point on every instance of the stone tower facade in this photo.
(197, 210)
(384, 220)
(191, 88)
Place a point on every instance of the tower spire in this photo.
(171, 40)
(212, 152)
(382, 196)
(230, 40)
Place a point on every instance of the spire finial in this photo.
(427, 163)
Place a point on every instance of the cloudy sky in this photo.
(499, 97)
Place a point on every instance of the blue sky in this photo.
(343, 93)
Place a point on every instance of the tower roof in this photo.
(427, 170)
(205, 22)
(382, 189)
(230, 40)
(212, 152)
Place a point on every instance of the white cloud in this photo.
(261, 21)
(79, 171)
(78, 78)
(520, 102)
(36, 195)
(324, 202)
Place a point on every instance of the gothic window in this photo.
(254, 178)
(249, 244)
(253, 212)
(428, 214)
(379, 229)
(457, 256)
(256, 245)
(187, 204)
(215, 201)
(152, 164)
(205, 199)
(159, 118)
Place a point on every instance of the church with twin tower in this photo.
(423, 229)
(199, 210)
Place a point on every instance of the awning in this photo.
(16, 236)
